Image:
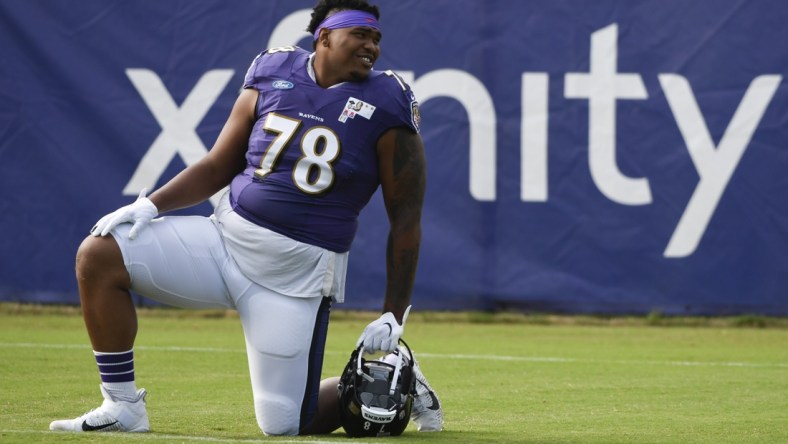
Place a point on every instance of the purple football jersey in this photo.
(312, 163)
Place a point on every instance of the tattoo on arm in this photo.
(408, 168)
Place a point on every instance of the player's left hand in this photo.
(140, 213)
(383, 333)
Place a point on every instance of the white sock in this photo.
(121, 391)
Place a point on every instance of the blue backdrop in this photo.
(598, 157)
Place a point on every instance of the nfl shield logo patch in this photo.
(415, 115)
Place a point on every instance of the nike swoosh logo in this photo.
(435, 403)
(90, 428)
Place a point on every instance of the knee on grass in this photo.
(277, 415)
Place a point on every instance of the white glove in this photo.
(139, 213)
(383, 333)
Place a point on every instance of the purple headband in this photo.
(347, 19)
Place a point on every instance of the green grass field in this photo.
(501, 379)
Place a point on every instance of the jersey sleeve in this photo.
(270, 62)
(403, 108)
(251, 77)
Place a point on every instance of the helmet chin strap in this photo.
(397, 368)
(360, 369)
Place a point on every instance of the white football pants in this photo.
(182, 261)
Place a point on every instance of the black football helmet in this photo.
(376, 396)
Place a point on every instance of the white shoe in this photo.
(426, 412)
(112, 416)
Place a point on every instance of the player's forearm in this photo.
(402, 257)
(190, 187)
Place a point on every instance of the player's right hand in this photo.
(140, 213)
